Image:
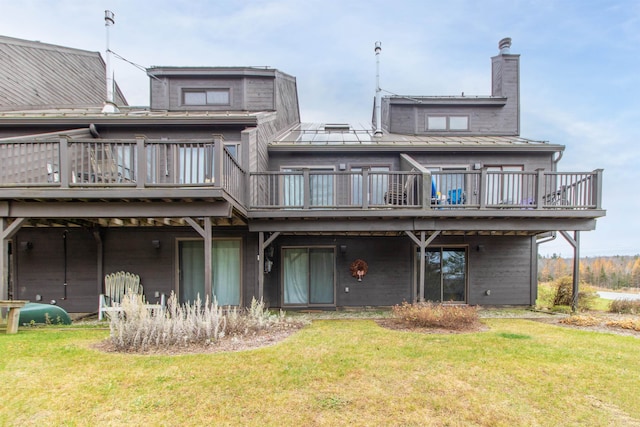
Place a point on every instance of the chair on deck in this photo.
(116, 286)
(401, 194)
(455, 197)
(105, 166)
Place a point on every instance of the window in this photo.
(308, 276)
(449, 123)
(206, 97)
(195, 163)
(225, 267)
(436, 123)
(320, 187)
(458, 123)
(378, 184)
(445, 274)
(508, 185)
(234, 149)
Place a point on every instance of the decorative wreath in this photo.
(359, 269)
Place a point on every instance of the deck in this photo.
(123, 172)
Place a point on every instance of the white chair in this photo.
(116, 286)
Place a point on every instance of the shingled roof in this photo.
(36, 75)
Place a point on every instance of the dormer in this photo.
(217, 88)
(496, 114)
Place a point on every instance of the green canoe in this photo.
(36, 313)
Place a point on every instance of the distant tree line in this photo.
(612, 272)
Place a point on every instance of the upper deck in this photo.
(130, 177)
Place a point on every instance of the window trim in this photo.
(226, 90)
(447, 118)
(176, 284)
(441, 247)
(335, 274)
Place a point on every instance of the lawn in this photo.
(332, 372)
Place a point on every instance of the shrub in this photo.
(581, 321)
(432, 315)
(625, 306)
(137, 328)
(632, 324)
(564, 294)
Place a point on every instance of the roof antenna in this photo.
(378, 131)
(109, 105)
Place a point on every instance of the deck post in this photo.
(426, 190)
(575, 242)
(540, 189)
(6, 233)
(141, 163)
(65, 166)
(483, 188)
(306, 189)
(206, 234)
(365, 189)
(218, 160)
(4, 263)
(598, 188)
(260, 265)
(208, 255)
(422, 243)
(262, 245)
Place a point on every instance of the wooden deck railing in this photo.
(309, 189)
(142, 163)
(139, 163)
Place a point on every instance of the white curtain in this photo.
(225, 266)
(191, 270)
(321, 276)
(226, 271)
(296, 273)
(308, 276)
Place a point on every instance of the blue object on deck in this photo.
(43, 314)
(455, 196)
(434, 192)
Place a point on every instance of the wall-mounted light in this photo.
(343, 249)
(26, 246)
(155, 244)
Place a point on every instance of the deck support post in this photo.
(99, 259)
(575, 242)
(7, 231)
(422, 243)
(206, 234)
(262, 245)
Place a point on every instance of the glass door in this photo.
(445, 275)
(308, 276)
(225, 267)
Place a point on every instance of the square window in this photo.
(218, 97)
(206, 97)
(195, 98)
(458, 123)
(436, 123)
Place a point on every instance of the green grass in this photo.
(333, 372)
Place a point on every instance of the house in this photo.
(217, 189)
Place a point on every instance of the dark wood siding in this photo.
(502, 266)
(40, 271)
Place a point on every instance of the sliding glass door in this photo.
(308, 276)
(445, 274)
(225, 267)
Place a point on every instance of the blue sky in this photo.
(580, 63)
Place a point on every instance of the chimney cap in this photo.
(505, 45)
